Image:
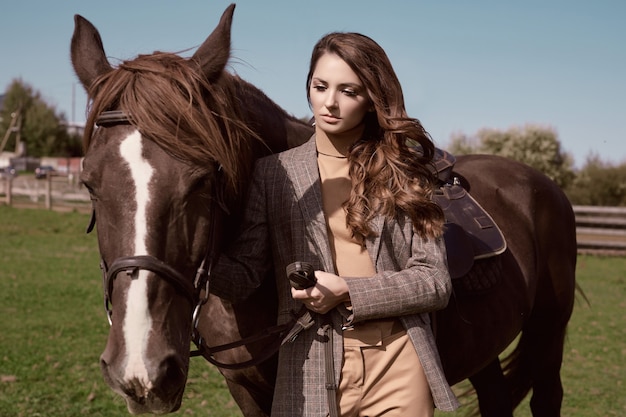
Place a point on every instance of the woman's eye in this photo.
(319, 87)
(350, 93)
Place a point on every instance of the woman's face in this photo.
(338, 98)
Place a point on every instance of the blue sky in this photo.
(463, 65)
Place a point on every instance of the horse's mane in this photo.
(171, 102)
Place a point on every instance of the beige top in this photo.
(350, 257)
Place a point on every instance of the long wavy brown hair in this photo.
(170, 101)
(390, 167)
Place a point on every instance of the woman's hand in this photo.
(329, 291)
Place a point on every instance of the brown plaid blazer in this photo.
(284, 222)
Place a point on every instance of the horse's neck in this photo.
(278, 129)
(298, 132)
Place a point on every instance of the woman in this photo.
(354, 202)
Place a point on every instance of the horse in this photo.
(169, 145)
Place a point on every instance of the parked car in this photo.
(43, 170)
(8, 171)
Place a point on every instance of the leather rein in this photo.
(197, 293)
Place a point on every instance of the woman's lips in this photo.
(329, 118)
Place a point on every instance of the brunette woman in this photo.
(355, 203)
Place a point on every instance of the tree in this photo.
(37, 124)
(536, 146)
(599, 184)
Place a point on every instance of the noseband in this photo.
(196, 292)
(132, 264)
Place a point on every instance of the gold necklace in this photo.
(332, 156)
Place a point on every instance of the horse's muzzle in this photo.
(160, 393)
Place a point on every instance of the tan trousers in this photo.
(382, 375)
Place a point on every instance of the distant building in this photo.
(75, 128)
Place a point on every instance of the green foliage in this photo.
(38, 125)
(599, 184)
(536, 146)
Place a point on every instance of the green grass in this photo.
(53, 329)
(53, 326)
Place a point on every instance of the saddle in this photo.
(470, 233)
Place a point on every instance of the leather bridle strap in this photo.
(208, 352)
(112, 117)
(282, 333)
(152, 264)
(329, 370)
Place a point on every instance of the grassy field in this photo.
(53, 329)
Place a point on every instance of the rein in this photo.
(197, 293)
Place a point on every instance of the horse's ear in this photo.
(88, 57)
(214, 53)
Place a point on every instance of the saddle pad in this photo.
(470, 231)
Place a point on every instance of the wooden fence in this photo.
(56, 191)
(601, 230)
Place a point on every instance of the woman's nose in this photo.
(331, 101)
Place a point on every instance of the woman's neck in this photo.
(336, 144)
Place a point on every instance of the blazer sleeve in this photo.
(423, 285)
(243, 266)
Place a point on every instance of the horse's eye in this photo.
(202, 185)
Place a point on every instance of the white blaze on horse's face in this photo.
(137, 323)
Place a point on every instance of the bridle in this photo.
(197, 293)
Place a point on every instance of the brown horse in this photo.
(167, 166)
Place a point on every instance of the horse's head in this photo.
(163, 154)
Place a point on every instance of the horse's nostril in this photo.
(104, 367)
(172, 374)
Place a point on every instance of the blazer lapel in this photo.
(306, 180)
(373, 244)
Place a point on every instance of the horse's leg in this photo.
(546, 331)
(537, 360)
(547, 388)
(251, 393)
(554, 301)
(494, 397)
(252, 387)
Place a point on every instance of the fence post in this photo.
(48, 191)
(9, 191)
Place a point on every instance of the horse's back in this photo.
(529, 207)
(537, 220)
